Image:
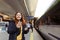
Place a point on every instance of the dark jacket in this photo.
(14, 31)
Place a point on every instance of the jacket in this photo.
(13, 31)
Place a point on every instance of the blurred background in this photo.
(43, 14)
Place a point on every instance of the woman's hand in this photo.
(26, 29)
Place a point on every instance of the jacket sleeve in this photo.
(12, 28)
(25, 31)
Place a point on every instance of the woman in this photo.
(17, 28)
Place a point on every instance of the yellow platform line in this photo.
(31, 36)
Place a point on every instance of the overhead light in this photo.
(5, 15)
(42, 7)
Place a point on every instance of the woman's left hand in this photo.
(26, 28)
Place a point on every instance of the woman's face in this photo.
(18, 16)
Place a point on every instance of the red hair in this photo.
(22, 19)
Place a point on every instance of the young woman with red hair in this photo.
(17, 28)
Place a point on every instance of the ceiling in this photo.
(10, 7)
(31, 6)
